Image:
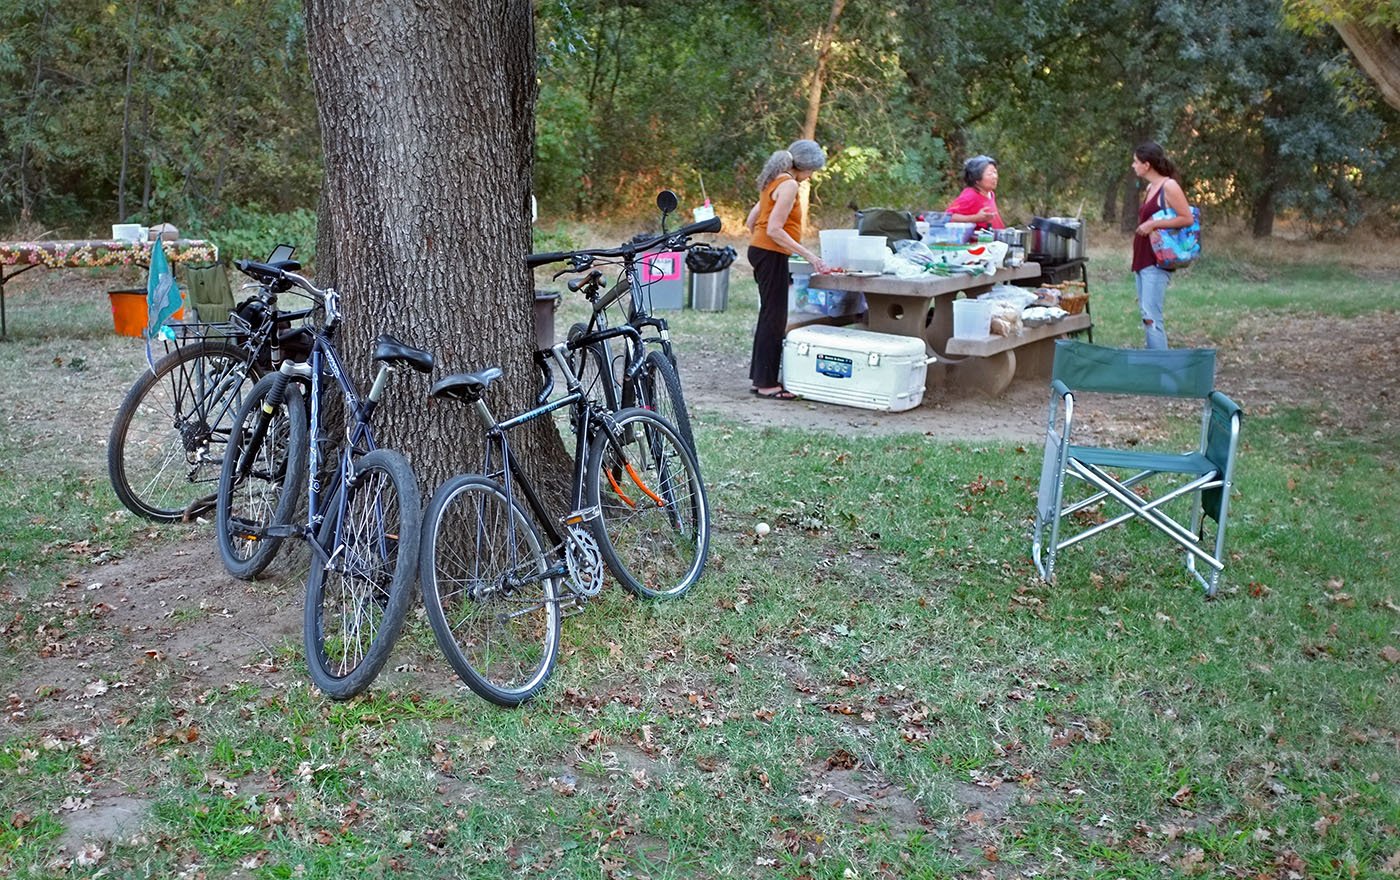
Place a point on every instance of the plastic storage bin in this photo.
(130, 313)
(972, 318)
(833, 245)
(866, 253)
(855, 367)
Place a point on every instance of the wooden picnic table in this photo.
(900, 306)
(21, 256)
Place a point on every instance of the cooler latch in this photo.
(874, 359)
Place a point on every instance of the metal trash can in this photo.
(546, 304)
(709, 292)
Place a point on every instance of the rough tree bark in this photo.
(427, 125)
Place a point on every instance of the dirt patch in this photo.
(1341, 369)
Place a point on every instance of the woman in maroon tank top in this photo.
(1151, 165)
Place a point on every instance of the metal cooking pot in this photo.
(1057, 240)
(1015, 240)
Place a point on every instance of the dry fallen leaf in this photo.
(1390, 654)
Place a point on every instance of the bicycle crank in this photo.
(584, 560)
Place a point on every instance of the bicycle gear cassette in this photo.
(585, 562)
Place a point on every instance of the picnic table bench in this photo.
(92, 254)
(984, 364)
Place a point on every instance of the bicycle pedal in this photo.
(571, 605)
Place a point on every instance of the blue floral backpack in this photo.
(1175, 248)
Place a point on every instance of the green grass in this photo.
(879, 687)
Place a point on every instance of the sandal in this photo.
(780, 394)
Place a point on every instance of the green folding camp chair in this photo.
(210, 294)
(1201, 477)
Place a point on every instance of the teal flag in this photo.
(162, 299)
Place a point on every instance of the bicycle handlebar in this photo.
(674, 240)
(280, 277)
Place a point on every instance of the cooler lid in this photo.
(860, 341)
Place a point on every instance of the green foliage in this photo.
(250, 233)
(181, 113)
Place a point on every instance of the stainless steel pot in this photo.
(1056, 240)
(1015, 240)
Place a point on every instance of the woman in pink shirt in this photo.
(978, 202)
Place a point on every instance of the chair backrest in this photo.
(893, 225)
(1176, 372)
(210, 291)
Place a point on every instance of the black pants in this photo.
(770, 270)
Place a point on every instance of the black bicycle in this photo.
(167, 441)
(494, 589)
(362, 516)
(644, 373)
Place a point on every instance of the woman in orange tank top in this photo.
(777, 233)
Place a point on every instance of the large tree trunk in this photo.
(814, 98)
(427, 124)
(1377, 49)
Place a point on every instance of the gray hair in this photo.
(801, 155)
(974, 168)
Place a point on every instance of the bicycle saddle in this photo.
(466, 386)
(387, 348)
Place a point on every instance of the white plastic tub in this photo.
(972, 318)
(866, 253)
(834, 244)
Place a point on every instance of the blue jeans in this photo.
(1152, 302)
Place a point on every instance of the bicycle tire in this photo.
(659, 390)
(656, 543)
(474, 538)
(372, 544)
(267, 496)
(167, 441)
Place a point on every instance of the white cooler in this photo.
(855, 367)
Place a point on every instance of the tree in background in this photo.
(154, 111)
(204, 116)
(1371, 30)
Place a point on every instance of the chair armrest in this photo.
(1222, 404)
(1059, 388)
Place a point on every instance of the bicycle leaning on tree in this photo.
(495, 590)
(167, 441)
(644, 372)
(362, 521)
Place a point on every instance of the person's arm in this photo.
(969, 208)
(752, 222)
(1175, 199)
(785, 197)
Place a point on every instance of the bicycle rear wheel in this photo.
(167, 441)
(653, 525)
(357, 598)
(493, 614)
(262, 478)
(659, 390)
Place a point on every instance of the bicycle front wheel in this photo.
(167, 442)
(358, 592)
(659, 387)
(653, 522)
(262, 478)
(494, 613)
